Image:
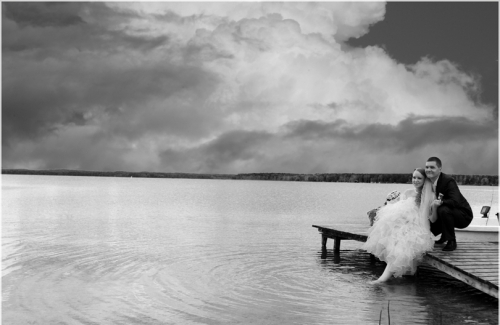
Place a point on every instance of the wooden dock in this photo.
(475, 263)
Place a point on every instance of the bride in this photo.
(401, 233)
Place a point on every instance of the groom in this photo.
(453, 210)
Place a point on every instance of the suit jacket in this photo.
(451, 194)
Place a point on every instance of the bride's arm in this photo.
(433, 215)
(408, 193)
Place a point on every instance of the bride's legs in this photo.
(385, 276)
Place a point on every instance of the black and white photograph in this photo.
(251, 162)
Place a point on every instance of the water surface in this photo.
(92, 250)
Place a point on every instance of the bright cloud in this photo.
(228, 88)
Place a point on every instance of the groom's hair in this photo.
(437, 160)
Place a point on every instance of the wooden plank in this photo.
(353, 229)
(489, 277)
(460, 260)
(491, 271)
(480, 242)
(464, 269)
(485, 249)
(487, 267)
(469, 261)
(456, 257)
(469, 266)
(486, 272)
(492, 281)
(460, 248)
(480, 285)
(486, 254)
(479, 253)
(476, 244)
(457, 263)
(467, 250)
(468, 269)
(473, 257)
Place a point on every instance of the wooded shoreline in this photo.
(480, 180)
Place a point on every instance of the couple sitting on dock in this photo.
(403, 229)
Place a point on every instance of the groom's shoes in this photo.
(440, 241)
(451, 245)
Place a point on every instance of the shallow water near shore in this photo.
(97, 250)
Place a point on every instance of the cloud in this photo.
(230, 151)
(340, 20)
(409, 134)
(44, 14)
(316, 146)
(64, 29)
(227, 88)
(125, 99)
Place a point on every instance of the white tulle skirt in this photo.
(399, 237)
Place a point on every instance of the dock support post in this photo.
(336, 246)
(324, 239)
(336, 250)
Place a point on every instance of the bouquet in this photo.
(393, 196)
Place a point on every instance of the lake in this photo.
(98, 250)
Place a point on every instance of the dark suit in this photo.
(455, 212)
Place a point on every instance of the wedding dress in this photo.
(401, 234)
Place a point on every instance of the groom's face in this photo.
(432, 170)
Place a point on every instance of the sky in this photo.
(249, 87)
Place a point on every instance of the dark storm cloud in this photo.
(236, 145)
(409, 134)
(38, 100)
(64, 14)
(71, 72)
(315, 147)
(138, 43)
(74, 149)
(220, 154)
(64, 30)
(43, 14)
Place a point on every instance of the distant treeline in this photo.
(364, 178)
(490, 180)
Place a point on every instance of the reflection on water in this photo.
(163, 251)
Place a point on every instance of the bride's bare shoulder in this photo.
(410, 192)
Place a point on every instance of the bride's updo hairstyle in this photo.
(418, 198)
